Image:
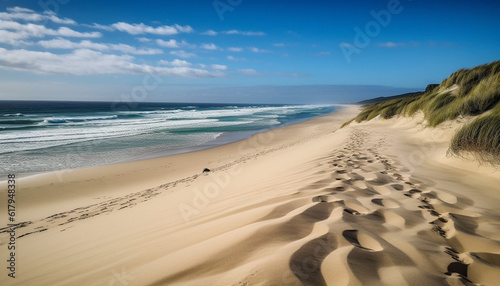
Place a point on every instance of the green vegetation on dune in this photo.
(467, 92)
(481, 137)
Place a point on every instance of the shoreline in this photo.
(314, 203)
(223, 139)
(147, 173)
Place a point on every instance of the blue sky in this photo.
(212, 50)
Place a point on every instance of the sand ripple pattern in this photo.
(390, 228)
(360, 218)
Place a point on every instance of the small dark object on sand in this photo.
(206, 170)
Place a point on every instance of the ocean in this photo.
(43, 136)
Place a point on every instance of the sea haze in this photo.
(44, 136)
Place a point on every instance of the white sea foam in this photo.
(47, 137)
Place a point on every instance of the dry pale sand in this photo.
(377, 203)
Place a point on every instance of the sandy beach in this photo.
(374, 203)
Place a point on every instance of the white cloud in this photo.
(79, 62)
(256, 50)
(60, 43)
(19, 10)
(21, 16)
(231, 58)
(185, 44)
(88, 62)
(100, 27)
(136, 29)
(210, 33)
(14, 33)
(11, 38)
(175, 63)
(248, 71)
(244, 33)
(25, 31)
(65, 21)
(184, 29)
(18, 13)
(52, 17)
(187, 72)
(64, 31)
(391, 45)
(234, 49)
(234, 32)
(126, 49)
(34, 30)
(219, 67)
(182, 54)
(168, 44)
(172, 43)
(143, 40)
(210, 46)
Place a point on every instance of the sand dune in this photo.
(376, 203)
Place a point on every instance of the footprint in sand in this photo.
(356, 207)
(382, 179)
(397, 187)
(457, 267)
(361, 240)
(447, 197)
(320, 199)
(414, 193)
(429, 198)
(355, 176)
(393, 218)
(385, 203)
(382, 190)
(325, 199)
(338, 189)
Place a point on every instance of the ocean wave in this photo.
(225, 111)
(14, 115)
(60, 129)
(18, 122)
(104, 131)
(77, 119)
(14, 128)
(131, 115)
(162, 111)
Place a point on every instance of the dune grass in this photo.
(480, 138)
(467, 92)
